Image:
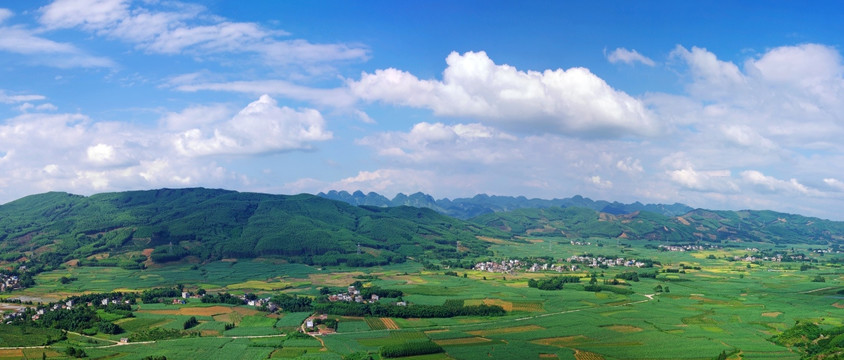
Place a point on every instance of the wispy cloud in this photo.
(19, 39)
(190, 29)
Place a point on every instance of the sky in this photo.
(717, 104)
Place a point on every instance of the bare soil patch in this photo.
(390, 323)
(561, 341)
(491, 240)
(626, 329)
(772, 314)
(585, 355)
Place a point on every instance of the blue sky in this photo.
(721, 105)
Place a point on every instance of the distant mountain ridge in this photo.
(467, 208)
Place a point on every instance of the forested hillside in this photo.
(697, 225)
(214, 224)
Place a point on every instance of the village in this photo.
(511, 266)
(682, 248)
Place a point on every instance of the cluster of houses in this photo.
(513, 265)
(505, 266)
(682, 248)
(550, 267)
(581, 243)
(602, 261)
(9, 282)
(9, 316)
(774, 258)
(69, 304)
(352, 294)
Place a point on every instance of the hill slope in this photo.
(697, 225)
(213, 224)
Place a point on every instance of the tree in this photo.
(191, 323)
(658, 288)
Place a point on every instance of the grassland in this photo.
(714, 305)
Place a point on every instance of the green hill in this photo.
(212, 224)
(697, 225)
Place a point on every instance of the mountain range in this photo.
(134, 229)
(467, 208)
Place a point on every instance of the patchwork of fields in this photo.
(713, 305)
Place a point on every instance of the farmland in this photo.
(714, 305)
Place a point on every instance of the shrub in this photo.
(410, 349)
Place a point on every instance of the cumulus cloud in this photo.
(72, 152)
(776, 110)
(601, 183)
(187, 28)
(572, 101)
(628, 57)
(712, 78)
(261, 127)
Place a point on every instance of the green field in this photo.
(722, 306)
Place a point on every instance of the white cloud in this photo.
(707, 181)
(745, 136)
(630, 165)
(835, 184)
(364, 117)
(195, 117)
(11, 99)
(766, 183)
(20, 40)
(71, 152)
(186, 28)
(601, 183)
(712, 78)
(5, 14)
(438, 143)
(629, 57)
(572, 101)
(808, 66)
(92, 14)
(261, 127)
(331, 97)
